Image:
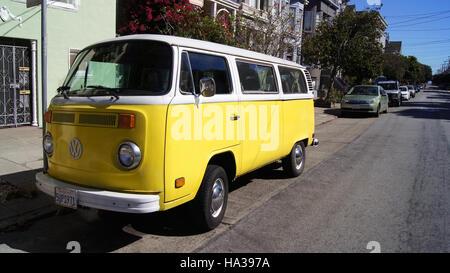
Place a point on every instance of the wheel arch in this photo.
(226, 160)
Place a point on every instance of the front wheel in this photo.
(294, 163)
(211, 200)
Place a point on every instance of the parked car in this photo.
(412, 90)
(393, 91)
(365, 99)
(406, 95)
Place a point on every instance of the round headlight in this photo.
(48, 144)
(129, 155)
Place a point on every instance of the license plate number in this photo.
(66, 197)
(356, 107)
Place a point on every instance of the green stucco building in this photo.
(71, 26)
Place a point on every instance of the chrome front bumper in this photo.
(100, 199)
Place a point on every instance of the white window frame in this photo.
(59, 5)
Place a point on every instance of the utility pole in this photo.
(44, 72)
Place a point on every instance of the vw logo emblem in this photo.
(75, 148)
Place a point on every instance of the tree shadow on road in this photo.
(427, 109)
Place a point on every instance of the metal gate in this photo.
(15, 94)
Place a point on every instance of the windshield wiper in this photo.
(111, 91)
(63, 91)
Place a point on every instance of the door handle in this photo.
(235, 117)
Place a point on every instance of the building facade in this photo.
(71, 26)
(315, 12)
(295, 8)
(393, 47)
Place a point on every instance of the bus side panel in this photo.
(262, 123)
(196, 132)
(299, 122)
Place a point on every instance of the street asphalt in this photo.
(382, 181)
(389, 188)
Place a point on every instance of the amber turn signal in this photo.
(179, 182)
(127, 121)
(48, 116)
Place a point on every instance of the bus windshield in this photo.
(124, 68)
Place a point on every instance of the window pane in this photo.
(308, 21)
(186, 84)
(136, 67)
(208, 66)
(293, 81)
(255, 77)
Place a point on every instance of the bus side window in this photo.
(203, 65)
(256, 78)
(186, 80)
(293, 81)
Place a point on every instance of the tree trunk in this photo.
(331, 88)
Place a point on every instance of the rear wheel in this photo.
(294, 163)
(211, 200)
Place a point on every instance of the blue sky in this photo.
(422, 26)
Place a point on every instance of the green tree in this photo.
(394, 66)
(173, 17)
(196, 24)
(348, 43)
(412, 72)
(442, 80)
(426, 73)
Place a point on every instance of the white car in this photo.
(412, 91)
(406, 95)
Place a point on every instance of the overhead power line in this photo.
(431, 42)
(403, 24)
(429, 29)
(417, 14)
(415, 18)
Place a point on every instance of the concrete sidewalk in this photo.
(325, 115)
(20, 160)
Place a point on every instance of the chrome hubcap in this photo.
(217, 198)
(298, 156)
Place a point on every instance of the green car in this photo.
(365, 99)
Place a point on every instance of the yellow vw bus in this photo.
(146, 123)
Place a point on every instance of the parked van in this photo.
(146, 123)
(392, 88)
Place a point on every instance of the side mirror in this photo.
(207, 87)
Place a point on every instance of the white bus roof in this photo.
(205, 45)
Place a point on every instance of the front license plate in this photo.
(356, 107)
(66, 197)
